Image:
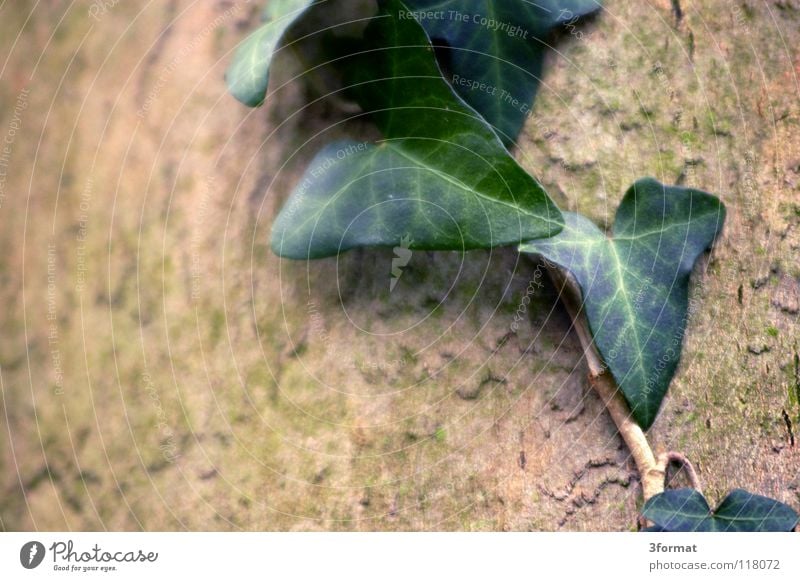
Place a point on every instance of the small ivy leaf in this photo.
(441, 177)
(635, 284)
(686, 510)
(248, 74)
(494, 51)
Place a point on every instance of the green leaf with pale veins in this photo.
(440, 180)
(686, 510)
(494, 51)
(248, 74)
(635, 284)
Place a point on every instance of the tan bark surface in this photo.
(161, 369)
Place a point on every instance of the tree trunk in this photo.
(161, 369)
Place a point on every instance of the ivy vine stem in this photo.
(652, 469)
(685, 464)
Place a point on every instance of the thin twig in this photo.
(651, 472)
(666, 459)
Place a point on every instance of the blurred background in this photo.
(162, 370)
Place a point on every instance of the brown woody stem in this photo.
(686, 466)
(652, 471)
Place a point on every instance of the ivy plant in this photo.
(440, 175)
(494, 51)
(248, 74)
(636, 282)
(449, 84)
(686, 510)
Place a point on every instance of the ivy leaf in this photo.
(635, 284)
(248, 74)
(494, 51)
(686, 510)
(440, 180)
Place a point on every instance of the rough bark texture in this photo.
(161, 369)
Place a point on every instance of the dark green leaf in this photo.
(248, 74)
(493, 51)
(635, 284)
(686, 510)
(441, 180)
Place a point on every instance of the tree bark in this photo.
(161, 369)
